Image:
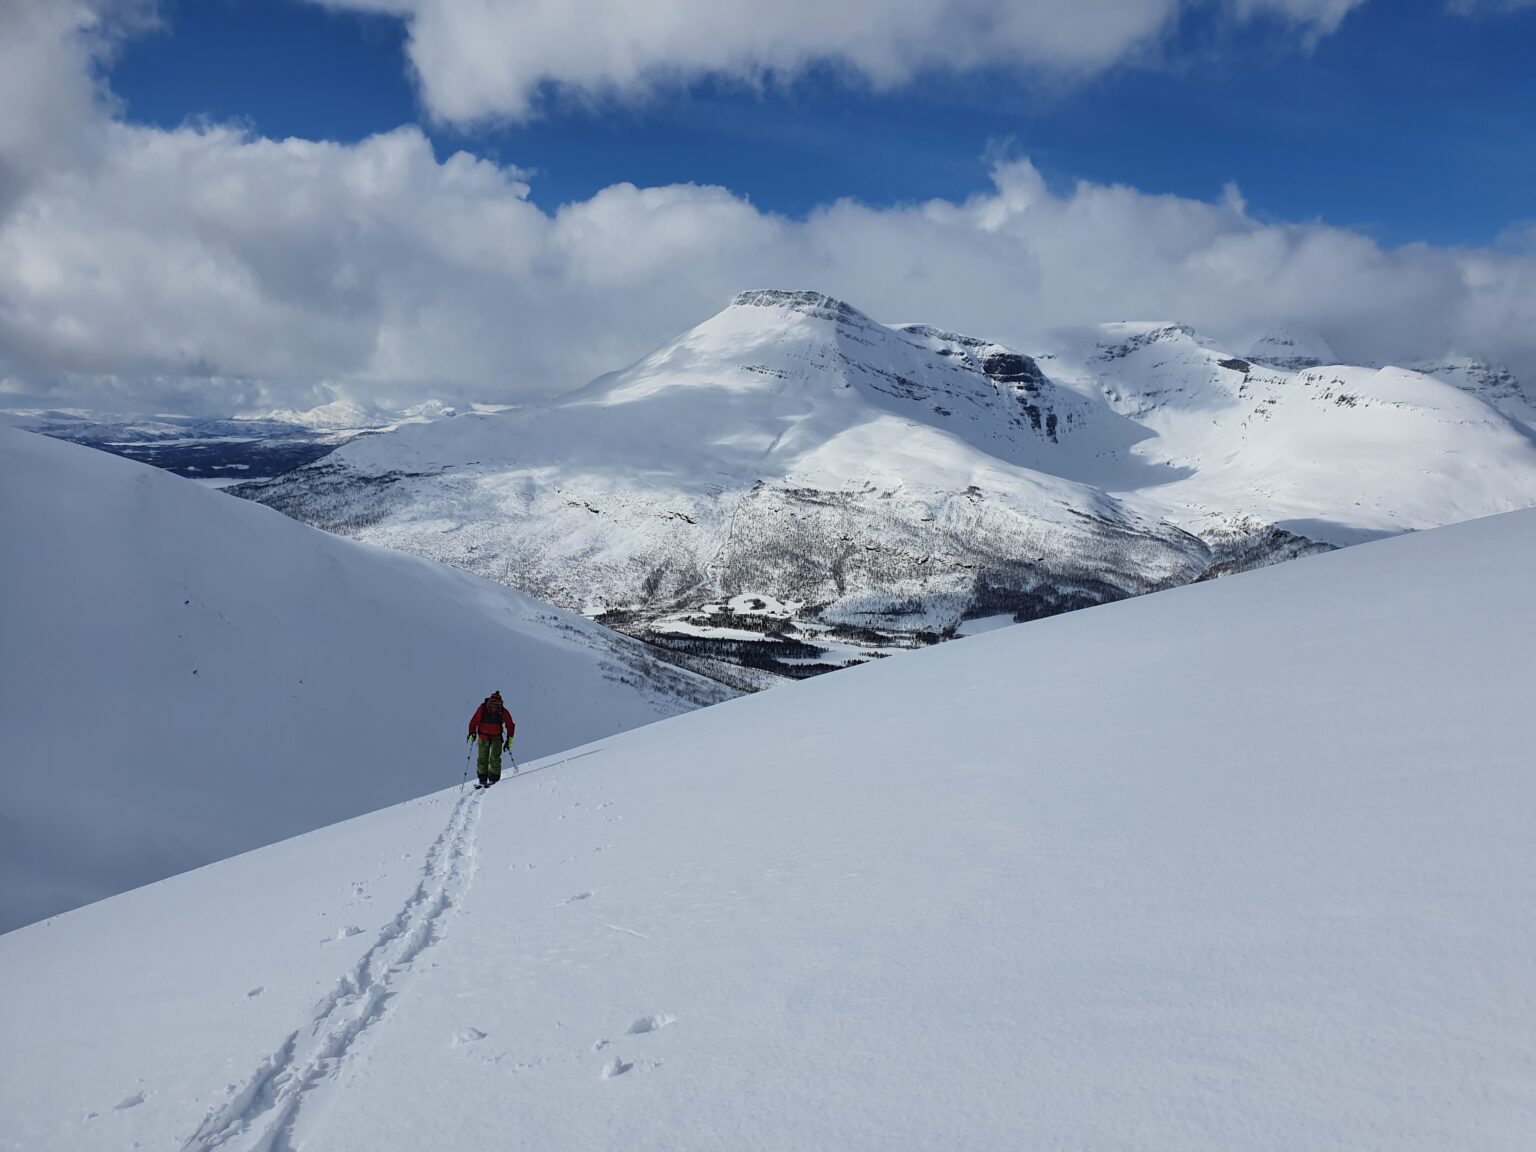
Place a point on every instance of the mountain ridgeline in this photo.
(792, 486)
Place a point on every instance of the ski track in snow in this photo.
(260, 1115)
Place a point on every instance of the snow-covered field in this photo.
(1245, 865)
(184, 675)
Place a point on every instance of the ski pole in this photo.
(468, 758)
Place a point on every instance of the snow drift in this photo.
(1241, 865)
(184, 676)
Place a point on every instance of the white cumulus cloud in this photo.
(49, 94)
(210, 269)
(493, 58)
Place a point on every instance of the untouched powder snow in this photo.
(184, 676)
(1244, 865)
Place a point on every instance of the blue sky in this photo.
(1407, 123)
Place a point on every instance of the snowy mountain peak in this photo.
(1118, 340)
(890, 481)
(897, 481)
(814, 304)
(1293, 349)
(428, 410)
(1000, 364)
(336, 414)
(348, 415)
(1491, 383)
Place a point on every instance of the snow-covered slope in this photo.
(1246, 865)
(184, 676)
(886, 484)
(1495, 386)
(1333, 453)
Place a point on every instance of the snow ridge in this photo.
(260, 1115)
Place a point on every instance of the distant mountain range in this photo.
(792, 486)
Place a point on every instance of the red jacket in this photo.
(485, 729)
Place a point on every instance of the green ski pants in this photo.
(488, 766)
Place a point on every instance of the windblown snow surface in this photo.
(184, 676)
(1243, 865)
